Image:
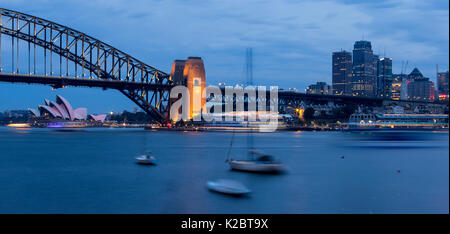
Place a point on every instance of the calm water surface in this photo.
(44, 171)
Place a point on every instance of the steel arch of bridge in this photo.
(90, 59)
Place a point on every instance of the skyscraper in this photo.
(384, 76)
(342, 73)
(442, 83)
(364, 70)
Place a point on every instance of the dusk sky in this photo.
(292, 41)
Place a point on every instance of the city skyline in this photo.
(301, 57)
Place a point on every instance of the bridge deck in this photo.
(57, 81)
(370, 101)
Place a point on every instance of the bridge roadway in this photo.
(61, 81)
(291, 98)
(369, 101)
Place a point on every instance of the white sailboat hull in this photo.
(228, 187)
(146, 160)
(257, 167)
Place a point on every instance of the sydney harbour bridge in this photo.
(39, 51)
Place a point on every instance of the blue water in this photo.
(45, 171)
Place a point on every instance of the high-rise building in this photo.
(415, 75)
(442, 85)
(364, 70)
(384, 76)
(419, 87)
(319, 88)
(342, 73)
(399, 86)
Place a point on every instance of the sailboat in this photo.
(257, 162)
(146, 158)
(228, 187)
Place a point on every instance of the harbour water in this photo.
(94, 171)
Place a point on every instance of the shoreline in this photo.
(146, 127)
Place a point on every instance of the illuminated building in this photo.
(100, 118)
(421, 90)
(442, 85)
(399, 86)
(384, 77)
(319, 88)
(61, 109)
(364, 70)
(342, 73)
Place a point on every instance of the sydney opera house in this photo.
(61, 109)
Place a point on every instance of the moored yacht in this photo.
(260, 164)
(146, 159)
(228, 187)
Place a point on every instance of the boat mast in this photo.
(229, 148)
(249, 77)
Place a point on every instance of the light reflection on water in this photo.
(94, 171)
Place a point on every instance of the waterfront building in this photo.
(361, 118)
(442, 85)
(364, 70)
(319, 88)
(384, 77)
(61, 109)
(99, 118)
(342, 73)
